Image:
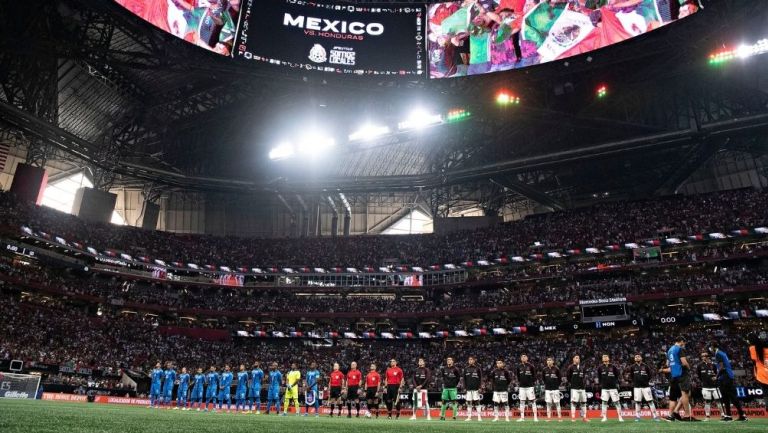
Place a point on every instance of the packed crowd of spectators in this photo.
(599, 225)
(572, 288)
(56, 334)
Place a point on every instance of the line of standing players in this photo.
(204, 390)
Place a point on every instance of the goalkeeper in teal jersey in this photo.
(157, 384)
(181, 391)
(242, 389)
(197, 389)
(254, 393)
(212, 388)
(225, 387)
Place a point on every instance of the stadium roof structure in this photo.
(87, 83)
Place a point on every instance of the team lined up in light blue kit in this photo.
(212, 388)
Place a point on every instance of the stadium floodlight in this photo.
(315, 143)
(504, 98)
(282, 151)
(743, 51)
(368, 132)
(420, 119)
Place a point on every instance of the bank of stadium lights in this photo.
(742, 52)
(420, 119)
(369, 132)
(309, 145)
(457, 115)
(282, 151)
(602, 91)
(505, 98)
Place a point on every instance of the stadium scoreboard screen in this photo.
(344, 39)
(437, 39)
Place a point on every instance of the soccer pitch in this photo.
(25, 416)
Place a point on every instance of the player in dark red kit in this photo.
(395, 380)
(336, 383)
(526, 379)
(552, 381)
(473, 378)
(576, 381)
(420, 392)
(608, 375)
(501, 380)
(354, 377)
(372, 385)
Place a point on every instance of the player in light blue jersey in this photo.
(168, 380)
(312, 385)
(197, 389)
(225, 385)
(273, 393)
(181, 391)
(242, 389)
(254, 393)
(156, 389)
(212, 388)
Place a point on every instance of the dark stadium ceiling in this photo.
(100, 87)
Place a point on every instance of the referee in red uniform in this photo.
(395, 379)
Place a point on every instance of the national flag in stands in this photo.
(519, 330)
(499, 331)
(273, 270)
(259, 334)
(761, 230)
(242, 269)
(296, 334)
(479, 331)
(406, 335)
(592, 250)
(387, 335)
(502, 260)
(518, 259)
(741, 232)
(467, 264)
(144, 259)
(45, 235)
(368, 335)
(698, 237)
(350, 335)
(77, 245)
(717, 236)
(434, 268)
(574, 252)
(424, 335)
(338, 270)
(278, 334)
(305, 270)
(653, 242)
(210, 267)
(673, 241)
(126, 256)
(5, 148)
(537, 256)
(368, 269)
(402, 268)
(178, 264)
(110, 253)
(441, 334)
(460, 333)
(613, 247)
(332, 334)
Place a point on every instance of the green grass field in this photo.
(24, 416)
